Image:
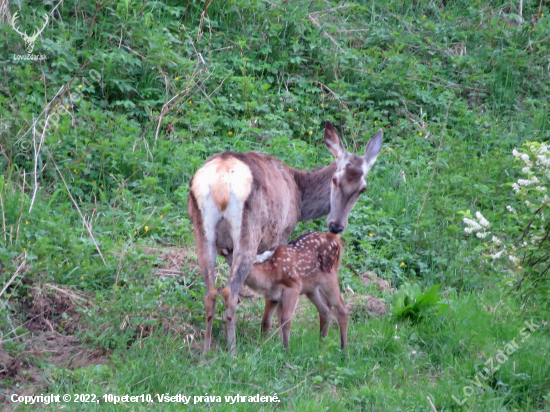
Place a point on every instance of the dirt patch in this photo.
(370, 277)
(359, 305)
(52, 317)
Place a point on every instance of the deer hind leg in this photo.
(285, 311)
(323, 309)
(267, 319)
(204, 222)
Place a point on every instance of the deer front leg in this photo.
(267, 319)
(285, 311)
(324, 311)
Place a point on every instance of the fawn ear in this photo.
(373, 149)
(333, 142)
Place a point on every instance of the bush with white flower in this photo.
(525, 237)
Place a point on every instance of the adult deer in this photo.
(248, 203)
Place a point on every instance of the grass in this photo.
(454, 85)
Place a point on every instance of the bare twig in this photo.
(316, 24)
(12, 278)
(36, 154)
(78, 209)
(431, 403)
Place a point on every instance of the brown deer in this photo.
(307, 265)
(250, 202)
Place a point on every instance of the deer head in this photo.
(29, 40)
(348, 182)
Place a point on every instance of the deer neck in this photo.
(314, 186)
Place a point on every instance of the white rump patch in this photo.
(261, 258)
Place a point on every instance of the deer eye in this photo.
(334, 180)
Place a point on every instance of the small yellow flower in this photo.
(58, 42)
(321, 104)
(101, 185)
(542, 15)
(213, 391)
(407, 248)
(310, 133)
(21, 175)
(161, 216)
(424, 16)
(519, 267)
(376, 121)
(422, 88)
(146, 228)
(41, 79)
(172, 108)
(389, 149)
(289, 110)
(532, 29)
(229, 133)
(82, 278)
(54, 258)
(402, 263)
(56, 105)
(503, 229)
(135, 232)
(59, 264)
(95, 183)
(177, 78)
(420, 134)
(404, 210)
(371, 235)
(391, 240)
(27, 222)
(368, 70)
(24, 250)
(496, 120)
(190, 101)
(75, 170)
(67, 106)
(80, 87)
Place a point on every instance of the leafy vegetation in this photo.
(99, 141)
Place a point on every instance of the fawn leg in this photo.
(323, 309)
(267, 319)
(285, 310)
(331, 291)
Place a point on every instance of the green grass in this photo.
(454, 85)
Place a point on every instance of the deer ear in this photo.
(373, 149)
(333, 142)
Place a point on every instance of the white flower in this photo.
(524, 157)
(524, 182)
(543, 149)
(496, 240)
(515, 153)
(511, 209)
(468, 230)
(543, 160)
(497, 255)
(475, 226)
(526, 170)
(535, 180)
(546, 199)
(515, 187)
(527, 203)
(482, 221)
(513, 259)
(541, 188)
(481, 235)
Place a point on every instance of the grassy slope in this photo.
(458, 83)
